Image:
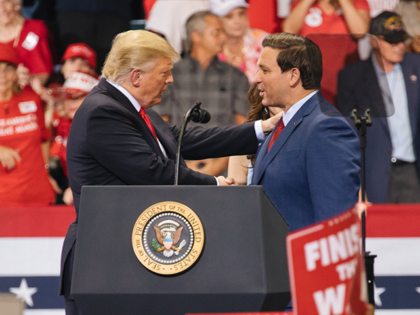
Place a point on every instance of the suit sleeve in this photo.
(125, 152)
(200, 143)
(333, 174)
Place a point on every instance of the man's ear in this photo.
(374, 41)
(136, 76)
(294, 77)
(195, 37)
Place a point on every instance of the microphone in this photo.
(199, 115)
(196, 114)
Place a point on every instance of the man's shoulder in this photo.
(326, 115)
(357, 67)
(411, 59)
(98, 101)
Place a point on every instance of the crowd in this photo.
(220, 50)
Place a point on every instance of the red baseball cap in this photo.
(81, 50)
(8, 54)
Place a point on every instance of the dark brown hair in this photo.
(258, 111)
(298, 52)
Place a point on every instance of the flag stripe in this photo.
(396, 256)
(36, 221)
(393, 220)
(30, 256)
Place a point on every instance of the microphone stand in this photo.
(181, 136)
(361, 124)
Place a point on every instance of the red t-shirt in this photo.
(32, 47)
(61, 130)
(318, 22)
(22, 128)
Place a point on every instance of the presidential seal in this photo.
(168, 238)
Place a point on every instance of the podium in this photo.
(242, 266)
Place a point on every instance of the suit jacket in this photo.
(110, 144)
(311, 172)
(358, 87)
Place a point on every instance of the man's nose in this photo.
(257, 78)
(170, 79)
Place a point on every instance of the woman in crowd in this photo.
(409, 10)
(73, 92)
(29, 38)
(241, 167)
(24, 140)
(328, 17)
(243, 45)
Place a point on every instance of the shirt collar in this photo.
(295, 107)
(126, 93)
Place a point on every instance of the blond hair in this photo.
(135, 50)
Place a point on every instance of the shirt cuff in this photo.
(216, 181)
(259, 131)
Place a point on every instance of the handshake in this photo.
(229, 181)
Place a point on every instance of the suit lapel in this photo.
(374, 95)
(411, 88)
(264, 158)
(124, 101)
(163, 133)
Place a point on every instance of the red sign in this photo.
(326, 267)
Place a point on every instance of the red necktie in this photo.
(147, 121)
(277, 132)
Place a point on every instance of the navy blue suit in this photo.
(311, 172)
(358, 87)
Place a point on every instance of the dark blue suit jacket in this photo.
(311, 173)
(358, 87)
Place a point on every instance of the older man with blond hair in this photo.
(118, 139)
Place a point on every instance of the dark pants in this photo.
(404, 186)
(70, 304)
(93, 28)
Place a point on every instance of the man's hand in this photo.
(9, 157)
(269, 124)
(226, 181)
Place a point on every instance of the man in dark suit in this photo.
(117, 139)
(309, 166)
(387, 83)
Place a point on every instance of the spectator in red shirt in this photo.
(327, 17)
(29, 38)
(336, 18)
(24, 144)
(73, 92)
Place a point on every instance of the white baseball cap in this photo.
(223, 7)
